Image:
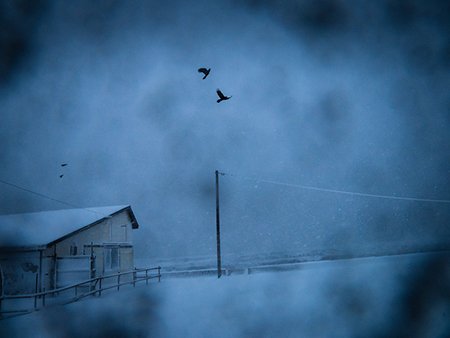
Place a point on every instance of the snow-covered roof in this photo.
(42, 228)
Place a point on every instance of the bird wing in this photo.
(202, 70)
(220, 94)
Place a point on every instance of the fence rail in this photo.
(94, 285)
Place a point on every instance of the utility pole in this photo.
(219, 267)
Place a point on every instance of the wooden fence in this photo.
(90, 287)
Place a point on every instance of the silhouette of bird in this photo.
(60, 176)
(204, 71)
(222, 97)
(63, 165)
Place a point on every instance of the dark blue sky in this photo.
(333, 94)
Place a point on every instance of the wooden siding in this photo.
(116, 231)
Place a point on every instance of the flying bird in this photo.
(60, 176)
(221, 96)
(204, 71)
(63, 165)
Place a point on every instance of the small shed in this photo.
(53, 249)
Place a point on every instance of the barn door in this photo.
(111, 255)
(72, 270)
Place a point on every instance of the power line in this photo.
(48, 197)
(339, 191)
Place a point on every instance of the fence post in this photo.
(159, 274)
(118, 281)
(100, 286)
(54, 280)
(134, 277)
(43, 298)
(146, 276)
(1, 289)
(36, 291)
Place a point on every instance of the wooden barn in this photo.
(52, 249)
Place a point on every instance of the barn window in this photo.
(73, 250)
(125, 232)
(111, 259)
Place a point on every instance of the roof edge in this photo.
(22, 248)
(134, 224)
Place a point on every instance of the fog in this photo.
(394, 296)
(335, 94)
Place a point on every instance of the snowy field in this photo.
(396, 296)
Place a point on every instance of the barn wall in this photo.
(97, 234)
(126, 259)
(115, 230)
(19, 271)
(21, 268)
(48, 273)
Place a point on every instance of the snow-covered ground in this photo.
(396, 296)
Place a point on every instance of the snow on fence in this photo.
(16, 303)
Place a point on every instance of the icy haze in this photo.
(396, 296)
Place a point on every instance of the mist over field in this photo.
(392, 296)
